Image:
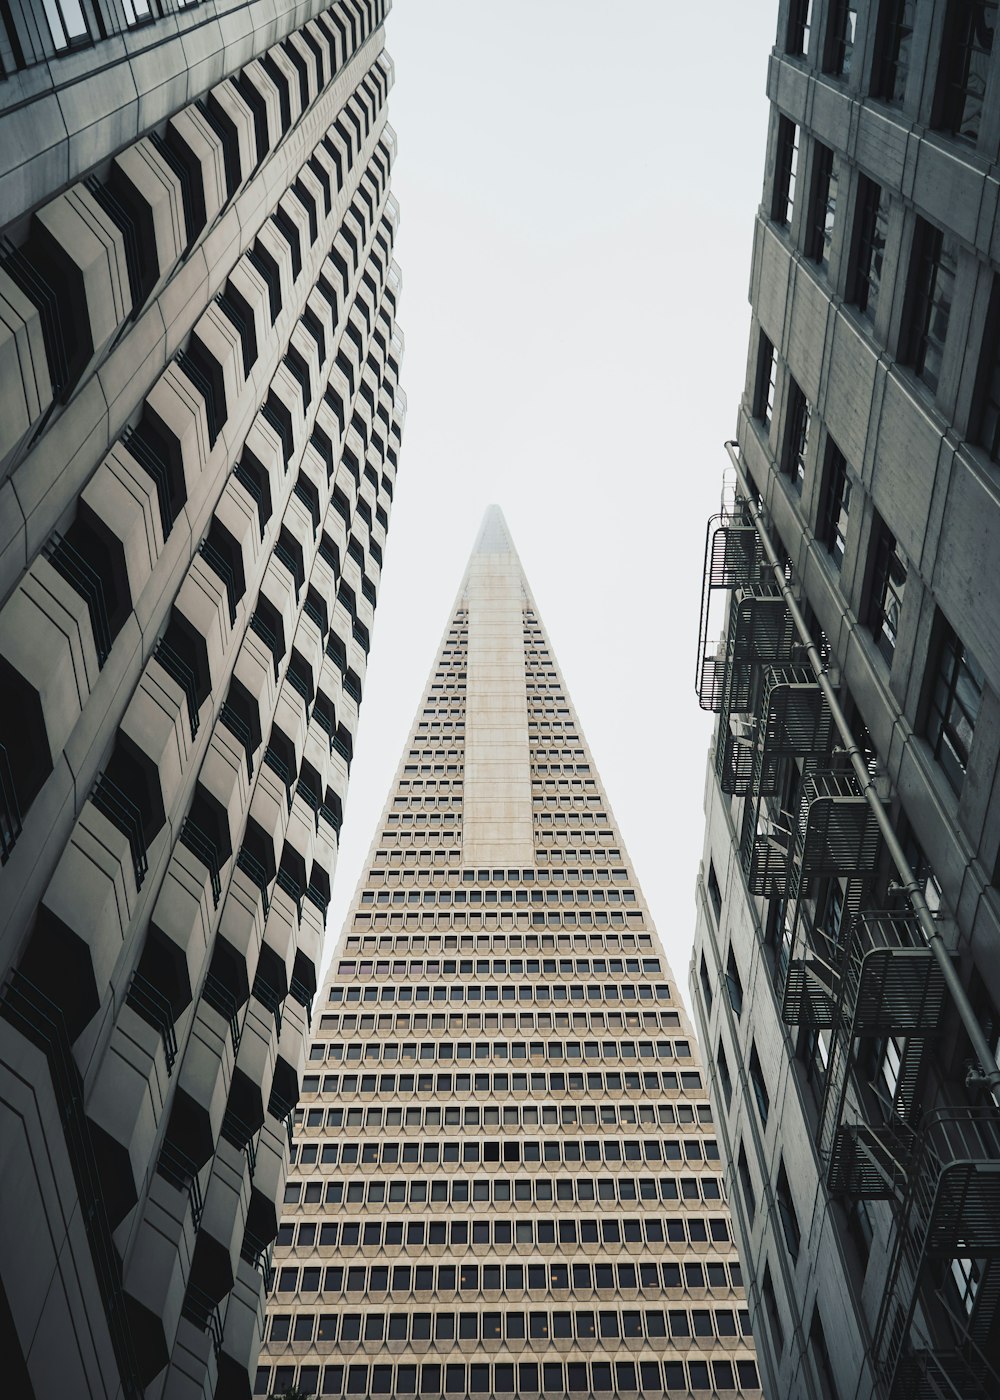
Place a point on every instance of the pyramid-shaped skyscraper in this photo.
(506, 1179)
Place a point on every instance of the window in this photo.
(893, 39)
(746, 1183)
(799, 25)
(967, 1275)
(767, 375)
(836, 504)
(968, 43)
(861, 1229)
(759, 1087)
(871, 225)
(67, 23)
(733, 983)
(840, 36)
(932, 285)
(771, 1309)
(714, 893)
(888, 586)
(954, 706)
(823, 207)
(706, 986)
(786, 1210)
(797, 420)
(821, 1357)
(786, 169)
(136, 12)
(988, 387)
(725, 1081)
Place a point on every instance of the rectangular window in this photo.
(954, 707)
(932, 285)
(67, 23)
(786, 1210)
(706, 986)
(967, 1275)
(821, 1357)
(746, 1184)
(871, 225)
(988, 386)
(767, 378)
(836, 504)
(759, 1087)
(965, 66)
(888, 586)
(893, 40)
(799, 25)
(771, 1308)
(726, 1085)
(797, 420)
(823, 206)
(840, 36)
(733, 983)
(785, 172)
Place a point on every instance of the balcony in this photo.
(837, 833)
(950, 1216)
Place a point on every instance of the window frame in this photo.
(835, 505)
(786, 169)
(943, 734)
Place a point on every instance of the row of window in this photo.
(960, 84)
(507, 919)
(498, 943)
(579, 967)
(470, 1278)
(501, 1051)
(439, 857)
(513, 1150)
(527, 1115)
(444, 1329)
(646, 1377)
(444, 896)
(387, 994)
(460, 1190)
(506, 1234)
(460, 1022)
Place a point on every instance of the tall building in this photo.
(846, 972)
(198, 445)
(506, 1177)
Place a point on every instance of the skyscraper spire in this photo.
(506, 1173)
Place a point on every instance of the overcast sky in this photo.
(577, 184)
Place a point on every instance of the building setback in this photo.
(846, 971)
(506, 1177)
(199, 434)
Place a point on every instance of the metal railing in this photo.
(177, 1168)
(203, 1311)
(40, 1021)
(10, 810)
(267, 636)
(250, 486)
(178, 670)
(219, 565)
(277, 764)
(200, 844)
(84, 579)
(154, 1008)
(253, 869)
(154, 466)
(291, 887)
(123, 813)
(270, 998)
(240, 730)
(220, 998)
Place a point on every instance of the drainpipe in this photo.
(988, 1075)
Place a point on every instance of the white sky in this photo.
(577, 183)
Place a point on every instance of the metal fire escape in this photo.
(877, 987)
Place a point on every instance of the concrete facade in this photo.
(506, 1177)
(199, 436)
(867, 432)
